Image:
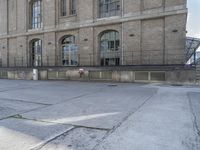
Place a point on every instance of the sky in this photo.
(193, 24)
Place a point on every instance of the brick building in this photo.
(92, 32)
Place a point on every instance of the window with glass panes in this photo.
(72, 7)
(63, 6)
(36, 14)
(69, 51)
(108, 8)
(36, 53)
(109, 48)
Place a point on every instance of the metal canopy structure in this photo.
(192, 44)
(198, 57)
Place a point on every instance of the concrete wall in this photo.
(174, 76)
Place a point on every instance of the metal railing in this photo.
(115, 58)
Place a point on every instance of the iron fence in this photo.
(114, 58)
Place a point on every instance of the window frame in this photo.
(109, 12)
(69, 56)
(70, 6)
(36, 51)
(36, 14)
(73, 7)
(110, 56)
(63, 8)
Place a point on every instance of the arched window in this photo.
(109, 48)
(109, 8)
(36, 52)
(69, 51)
(36, 14)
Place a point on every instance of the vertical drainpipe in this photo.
(122, 36)
(7, 42)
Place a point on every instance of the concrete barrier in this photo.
(35, 74)
(91, 74)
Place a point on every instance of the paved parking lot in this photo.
(61, 115)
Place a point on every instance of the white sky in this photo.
(193, 24)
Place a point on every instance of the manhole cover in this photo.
(112, 84)
(176, 85)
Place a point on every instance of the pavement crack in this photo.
(15, 89)
(19, 116)
(194, 115)
(124, 119)
(80, 96)
(23, 101)
(45, 142)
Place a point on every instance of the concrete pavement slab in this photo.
(76, 139)
(163, 123)
(104, 109)
(126, 116)
(50, 92)
(194, 98)
(19, 134)
(12, 107)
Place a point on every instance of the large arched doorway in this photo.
(69, 51)
(36, 52)
(109, 48)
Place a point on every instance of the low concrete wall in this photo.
(19, 74)
(128, 74)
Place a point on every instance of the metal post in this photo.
(78, 59)
(90, 59)
(48, 61)
(22, 61)
(14, 61)
(132, 57)
(122, 36)
(41, 61)
(1, 62)
(57, 63)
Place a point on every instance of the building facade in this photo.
(92, 32)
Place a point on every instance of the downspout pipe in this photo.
(122, 34)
